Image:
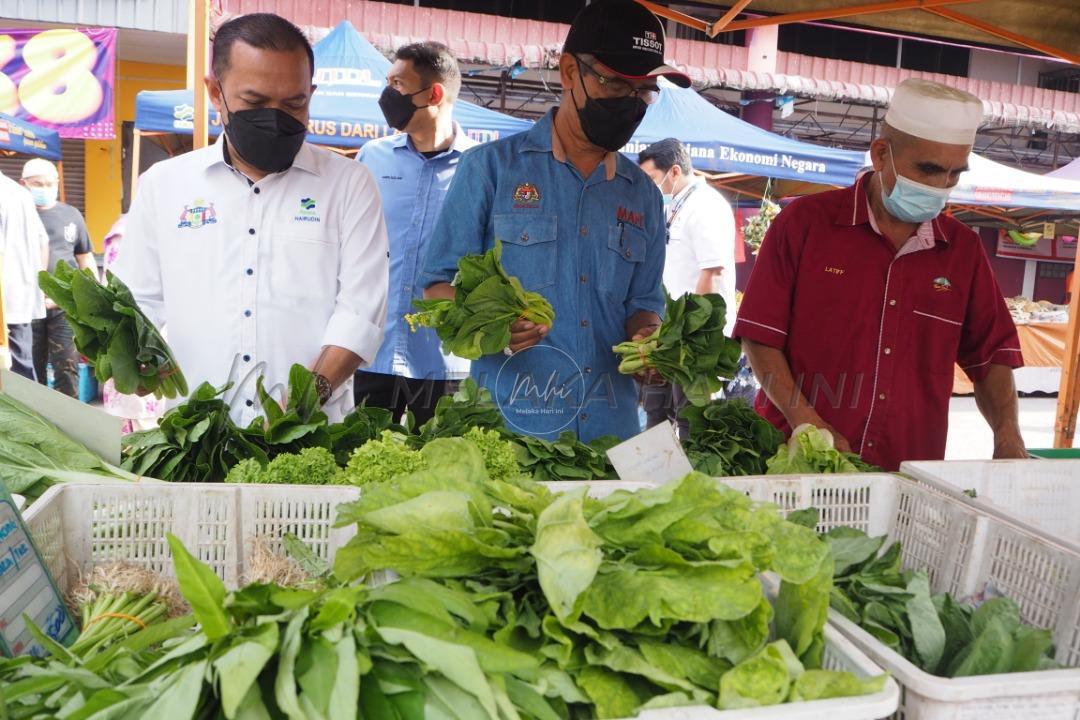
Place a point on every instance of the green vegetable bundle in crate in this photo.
(689, 348)
(113, 333)
(487, 302)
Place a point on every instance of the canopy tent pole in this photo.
(836, 13)
(1069, 393)
(201, 22)
(60, 172)
(1005, 34)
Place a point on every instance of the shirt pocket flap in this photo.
(627, 242)
(525, 229)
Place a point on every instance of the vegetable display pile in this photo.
(811, 450)
(935, 632)
(728, 438)
(637, 600)
(566, 457)
(487, 302)
(35, 454)
(110, 330)
(689, 348)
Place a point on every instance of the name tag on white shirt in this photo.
(654, 456)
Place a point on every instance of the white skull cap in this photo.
(935, 112)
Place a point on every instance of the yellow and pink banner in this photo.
(60, 78)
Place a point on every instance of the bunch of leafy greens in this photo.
(310, 466)
(935, 632)
(689, 349)
(300, 424)
(487, 301)
(811, 450)
(112, 332)
(196, 441)
(727, 438)
(636, 600)
(35, 454)
(470, 406)
(566, 458)
(382, 460)
(500, 455)
(358, 427)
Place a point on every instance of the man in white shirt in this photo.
(24, 251)
(261, 251)
(700, 250)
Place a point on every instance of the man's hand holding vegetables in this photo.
(578, 223)
(863, 299)
(261, 250)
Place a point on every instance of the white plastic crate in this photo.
(964, 550)
(79, 526)
(1044, 493)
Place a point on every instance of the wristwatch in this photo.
(324, 388)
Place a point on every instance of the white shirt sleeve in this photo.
(364, 271)
(137, 262)
(711, 231)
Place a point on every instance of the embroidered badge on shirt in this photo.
(942, 284)
(71, 233)
(197, 215)
(526, 195)
(630, 217)
(307, 212)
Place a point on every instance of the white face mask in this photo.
(667, 196)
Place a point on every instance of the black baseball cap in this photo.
(625, 37)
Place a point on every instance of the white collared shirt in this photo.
(23, 241)
(251, 278)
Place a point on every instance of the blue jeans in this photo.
(21, 343)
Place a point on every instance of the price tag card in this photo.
(654, 456)
(27, 589)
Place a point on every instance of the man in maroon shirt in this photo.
(863, 299)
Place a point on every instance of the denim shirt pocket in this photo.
(625, 253)
(529, 250)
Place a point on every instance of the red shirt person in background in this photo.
(863, 299)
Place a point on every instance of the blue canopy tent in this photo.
(345, 113)
(721, 143)
(19, 136)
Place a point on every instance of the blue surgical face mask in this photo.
(43, 196)
(911, 201)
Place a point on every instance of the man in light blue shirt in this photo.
(413, 170)
(579, 223)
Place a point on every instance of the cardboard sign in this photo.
(654, 456)
(27, 589)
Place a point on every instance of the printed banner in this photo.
(61, 79)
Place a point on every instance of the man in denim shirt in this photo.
(578, 223)
(413, 171)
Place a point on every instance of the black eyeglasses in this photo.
(616, 87)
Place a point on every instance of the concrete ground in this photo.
(970, 437)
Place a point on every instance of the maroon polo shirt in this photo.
(872, 333)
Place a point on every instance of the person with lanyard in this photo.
(413, 170)
(700, 253)
(69, 242)
(578, 223)
(24, 251)
(261, 251)
(863, 299)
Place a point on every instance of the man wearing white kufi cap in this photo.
(863, 299)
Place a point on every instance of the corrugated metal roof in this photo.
(169, 16)
(498, 40)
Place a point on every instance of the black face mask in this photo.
(610, 122)
(398, 108)
(265, 138)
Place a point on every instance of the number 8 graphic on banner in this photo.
(60, 87)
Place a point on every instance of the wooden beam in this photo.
(719, 26)
(1069, 392)
(838, 13)
(1004, 34)
(681, 18)
(201, 10)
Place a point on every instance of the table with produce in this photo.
(466, 571)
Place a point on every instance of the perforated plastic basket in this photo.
(1042, 493)
(964, 550)
(79, 526)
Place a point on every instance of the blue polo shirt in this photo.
(413, 189)
(594, 247)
